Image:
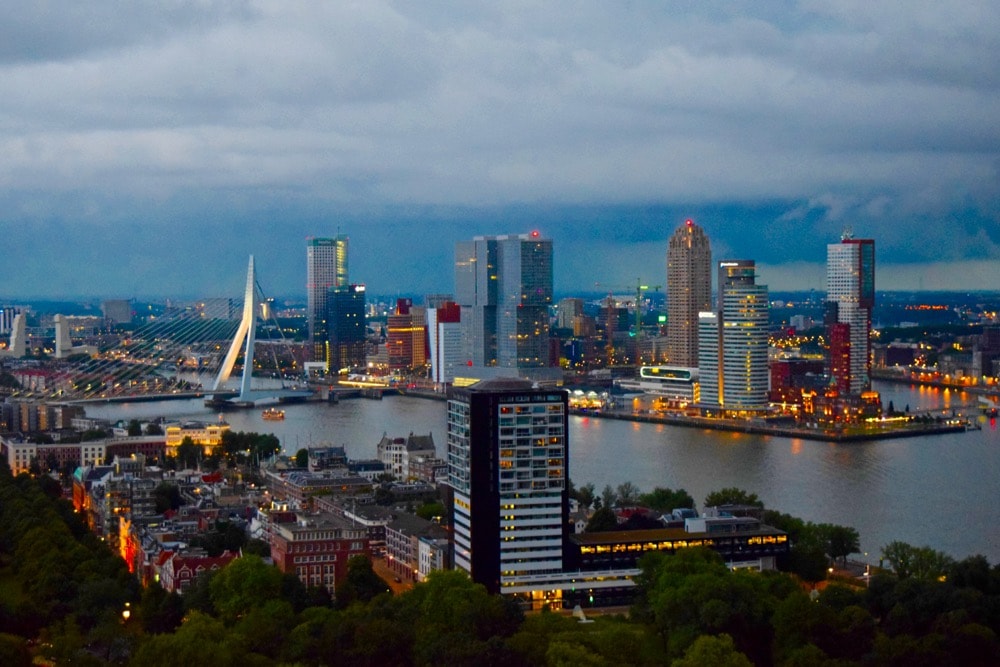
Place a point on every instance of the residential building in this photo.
(178, 572)
(403, 537)
(399, 454)
(507, 464)
(326, 267)
(850, 294)
(689, 291)
(316, 547)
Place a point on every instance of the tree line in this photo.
(63, 594)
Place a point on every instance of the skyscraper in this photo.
(507, 466)
(504, 287)
(850, 294)
(689, 291)
(326, 267)
(732, 353)
(346, 317)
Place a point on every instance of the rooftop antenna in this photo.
(847, 234)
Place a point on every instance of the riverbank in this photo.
(852, 434)
(855, 434)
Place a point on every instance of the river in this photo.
(937, 490)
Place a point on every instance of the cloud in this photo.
(775, 126)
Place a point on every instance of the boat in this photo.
(273, 414)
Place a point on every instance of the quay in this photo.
(855, 434)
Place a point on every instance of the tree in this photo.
(718, 651)
(841, 541)
(666, 500)
(166, 496)
(430, 510)
(628, 494)
(153, 428)
(361, 584)
(608, 496)
(244, 584)
(188, 453)
(302, 458)
(585, 494)
(732, 496)
(921, 563)
(134, 428)
(602, 520)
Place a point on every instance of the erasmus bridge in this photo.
(179, 353)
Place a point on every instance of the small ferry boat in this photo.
(273, 414)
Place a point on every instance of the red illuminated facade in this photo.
(406, 337)
(840, 357)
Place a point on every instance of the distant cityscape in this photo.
(511, 364)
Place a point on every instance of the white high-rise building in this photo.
(732, 346)
(326, 267)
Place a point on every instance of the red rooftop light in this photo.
(689, 222)
(535, 234)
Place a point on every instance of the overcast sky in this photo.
(147, 148)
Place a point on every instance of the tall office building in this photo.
(503, 285)
(850, 294)
(732, 346)
(689, 291)
(346, 316)
(507, 466)
(326, 267)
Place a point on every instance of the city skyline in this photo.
(137, 140)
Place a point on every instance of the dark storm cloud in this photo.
(409, 126)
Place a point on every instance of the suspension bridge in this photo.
(177, 354)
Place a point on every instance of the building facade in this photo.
(503, 285)
(689, 291)
(850, 293)
(326, 267)
(406, 336)
(733, 342)
(507, 464)
(316, 548)
(444, 329)
(348, 332)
